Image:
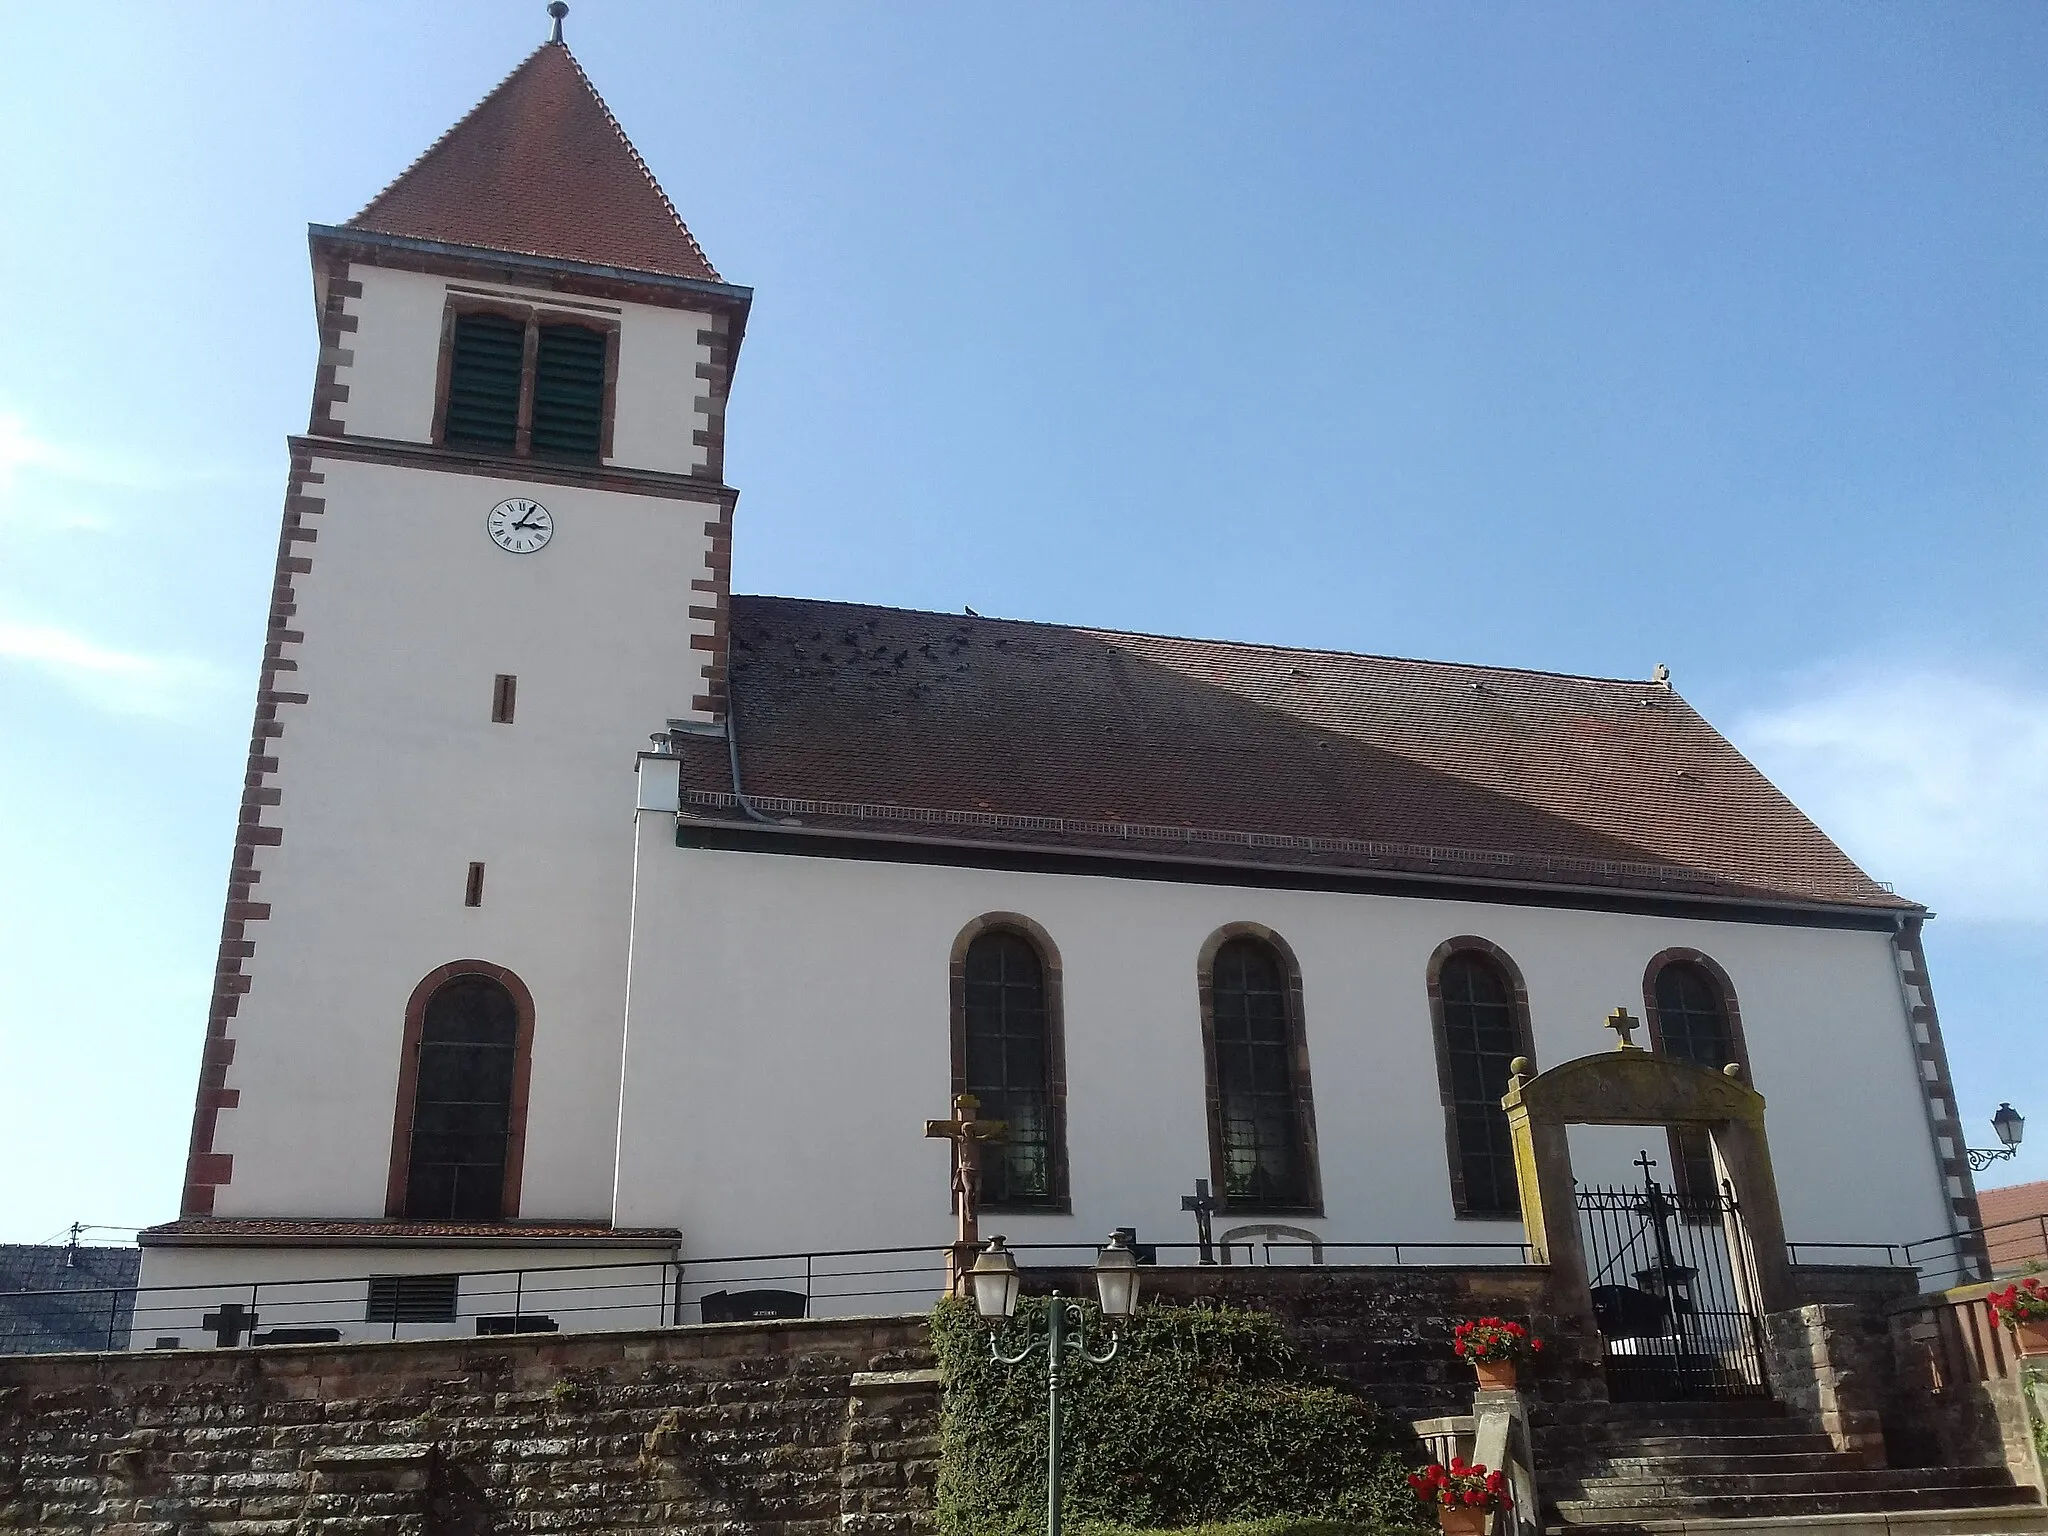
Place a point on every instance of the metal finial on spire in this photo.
(557, 9)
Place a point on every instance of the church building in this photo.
(584, 912)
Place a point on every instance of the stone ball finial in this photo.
(1521, 1066)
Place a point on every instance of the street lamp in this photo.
(995, 1282)
(2011, 1125)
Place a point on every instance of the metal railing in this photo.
(586, 1297)
(1953, 1258)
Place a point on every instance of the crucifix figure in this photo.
(228, 1324)
(1204, 1205)
(967, 1133)
(1624, 1024)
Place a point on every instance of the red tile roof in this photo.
(2015, 1223)
(923, 725)
(285, 1230)
(541, 167)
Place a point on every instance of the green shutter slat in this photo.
(483, 382)
(568, 392)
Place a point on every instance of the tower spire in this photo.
(557, 9)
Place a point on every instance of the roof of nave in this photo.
(541, 167)
(287, 1231)
(935, 727)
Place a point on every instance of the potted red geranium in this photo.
(2024, 1309)
(1464, 1494)
(1495, 1348)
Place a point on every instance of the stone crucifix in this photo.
(1624, 1024)
(967, 1132)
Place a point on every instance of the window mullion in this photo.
(526, 373)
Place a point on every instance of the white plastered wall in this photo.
(396, 356)
(300, 1287)
(789, 1034)
(393, 778)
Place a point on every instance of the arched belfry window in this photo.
(1007, 1052)
(1481, 1015)
(1262, 1148)
(461, 1124)
(1689, 1003)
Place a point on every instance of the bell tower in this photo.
(504, 563)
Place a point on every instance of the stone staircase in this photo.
(1616, 1468)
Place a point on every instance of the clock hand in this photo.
(526, 523)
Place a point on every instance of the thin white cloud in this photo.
(1935, 781)
(121, 682)
(41, 479)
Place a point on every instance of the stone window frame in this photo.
(533, 317)
(1525, 1037)
(1304, 1089)
(408, 1082)
(1060, 1200)
(1653, 1019)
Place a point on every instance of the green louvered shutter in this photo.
(483, 383)
(568, 392)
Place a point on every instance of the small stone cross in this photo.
(1204, 1205)
(1624, 1024)
(967, 1133)
(228, 1324)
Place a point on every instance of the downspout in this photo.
(732, 753)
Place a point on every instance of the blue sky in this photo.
(1576, 337)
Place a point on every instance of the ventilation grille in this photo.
(568, 392)
(412, 1299)
(483, 382)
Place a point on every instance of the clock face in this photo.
(520, 526)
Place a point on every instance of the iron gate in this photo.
(1671, 1292)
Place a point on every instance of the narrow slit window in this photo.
(485, 372)
(568, 392)
(473, 890)
(504, 694)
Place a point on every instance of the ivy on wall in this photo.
(1205, 1414)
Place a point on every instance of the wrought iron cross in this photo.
(1645, 1162)
(967, 1133)
(1204, 1205)
(228, 1324)
(1624, 1024)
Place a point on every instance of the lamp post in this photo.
(2011, 1125)
(995, 1282)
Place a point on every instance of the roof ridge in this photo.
(627, 144)
(453, 128)
(1249, 645)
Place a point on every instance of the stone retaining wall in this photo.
(788, 1428)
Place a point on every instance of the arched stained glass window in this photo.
(463, 1082)
(1259, 1080)
(1693, 1024)
(1481, 1036)
(1007, 1063)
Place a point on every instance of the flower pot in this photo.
(1495, 1375)
(2032, 1338)
(1464, 1519)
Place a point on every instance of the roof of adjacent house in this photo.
(865, 720)
(541, 167)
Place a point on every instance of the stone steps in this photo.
(1681, 1467)
(1631, 1489)
(1576, 1515)
(1988, 1520)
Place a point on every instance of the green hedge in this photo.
(1206, 1414)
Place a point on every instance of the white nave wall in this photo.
(789, 1031)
